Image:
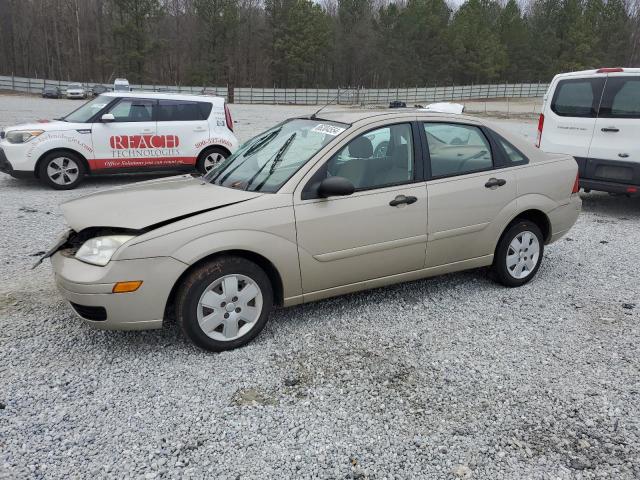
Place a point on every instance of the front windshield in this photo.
(88, 110)
(266, 162)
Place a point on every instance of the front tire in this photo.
(210, 158)
(61, 170)
(224, 304)
(519, 253)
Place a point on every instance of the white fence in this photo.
(317, 96)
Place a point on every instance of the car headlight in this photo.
(22, 136)
(99, 250)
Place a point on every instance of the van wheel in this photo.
(61, 170)
(519, 253)
(211, 157)
(224, 304)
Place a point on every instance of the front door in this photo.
(614, 154)
(380, 229)
(130, 140)
(466, 193)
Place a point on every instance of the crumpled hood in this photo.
(145, 204)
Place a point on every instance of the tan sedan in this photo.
(312, 208)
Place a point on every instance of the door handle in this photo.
(199, 129)
(623, 155)
(610, 129)
(402, 200)
(495, 182)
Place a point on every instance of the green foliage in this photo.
(316, 43)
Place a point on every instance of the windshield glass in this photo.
(88, 110)
(266, 162)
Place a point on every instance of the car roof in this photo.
(164, 96)
(352, 117)
(586, 73)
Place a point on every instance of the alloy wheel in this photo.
(63, 170)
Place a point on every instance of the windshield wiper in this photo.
(261, 143)
(276, 160)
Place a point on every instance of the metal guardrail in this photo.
(316, 96)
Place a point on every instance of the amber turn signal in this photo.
(126, 287)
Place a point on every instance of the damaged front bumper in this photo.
(89, 288)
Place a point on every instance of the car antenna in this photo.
(313, 117)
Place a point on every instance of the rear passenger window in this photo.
(456, 149)
(513, 154)
(183, 110)
(621, 98)
(578, 97)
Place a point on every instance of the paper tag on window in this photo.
(328, 129)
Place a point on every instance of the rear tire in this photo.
(61, 170)
(224, 304)
(209, 158)
(519, 253)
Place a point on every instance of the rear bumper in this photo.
(563, 217)
(609, 175)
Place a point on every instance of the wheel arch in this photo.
(263, 262)
(85, 162)
(534, 215)
(213, 147)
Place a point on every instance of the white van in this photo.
(121, 132)
(594, 115)
(121, 85)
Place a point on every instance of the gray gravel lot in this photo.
(451, 377)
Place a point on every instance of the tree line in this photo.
(304, 43)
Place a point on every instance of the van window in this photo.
(183, 110)
(621, 98)
(577, 97)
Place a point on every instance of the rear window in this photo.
(577, 97)
(183, 110)
(621, 98)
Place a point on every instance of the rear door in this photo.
(470, 193)
(186, 121)
(614, 154)
(129, 140)
(570, 118)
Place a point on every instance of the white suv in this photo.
(594, 115)
(121, 132)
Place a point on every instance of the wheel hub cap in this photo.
(523, 255)
(229, 307)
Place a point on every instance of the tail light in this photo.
(540, 127)
(576, 184)
(227, 116)
(610, 70)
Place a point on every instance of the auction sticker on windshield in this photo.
(328, 129)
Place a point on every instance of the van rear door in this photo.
(570, 117)
(614, 155)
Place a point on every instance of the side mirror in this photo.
(335, 186)
(107, 117)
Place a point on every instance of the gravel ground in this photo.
(538, 382)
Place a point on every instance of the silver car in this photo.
(313, 208)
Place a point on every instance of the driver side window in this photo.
(376, 159)
(133, 110)
(456, 149)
